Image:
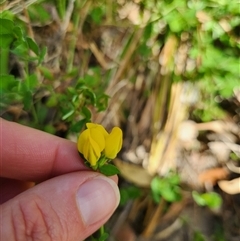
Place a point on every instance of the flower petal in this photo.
(91, 152)
(91, 143)
(113, 143)
(97, 135)
(82, 139)
(99, 127)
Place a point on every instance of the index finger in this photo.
(33, 155)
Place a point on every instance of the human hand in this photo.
(69, 202)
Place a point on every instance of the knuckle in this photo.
(36, 220)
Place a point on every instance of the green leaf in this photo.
(166, 188)
(6, 40)
(155, 189)
(6, 26)
(129, 193)
(46, 72)
(90, 95)
(102, 102)
(212, 199)
(86, 112)
(7, 82)
(198, 198)
(38, 13)
(175, 21)
(78, 126)
(109, 170)
(97, 14)
(92, 78)
(7, 15)
(174, 179)
(68, 114)
(18, 33)
(21, 49)
(6, 32)
(33, 46)
(52, 101)
(27, 100)
(42, 54)
(170, 194)
(31, 81)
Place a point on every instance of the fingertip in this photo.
(97, 199)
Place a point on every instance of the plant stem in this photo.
(77, 18)
(61, 8)
(102, 231)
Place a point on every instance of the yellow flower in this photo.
(113, 143)
(95, 142)
(91, 143)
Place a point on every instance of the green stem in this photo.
(101, 230)
(102, 161)
(73, 42)
(61, 8)
(78, 17)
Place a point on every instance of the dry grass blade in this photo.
(165, 147)
(99, 55)
(125, 61)
(158, 212)
(175, 226)
(17, 6)
(162, 91)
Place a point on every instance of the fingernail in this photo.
(97, 198)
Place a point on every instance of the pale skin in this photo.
(69, 202)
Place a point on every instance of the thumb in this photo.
(66, 208)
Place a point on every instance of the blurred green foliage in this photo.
(166, 187)
(209, 199)
(72, 106)
(198, 236)
(129, 193)
(208, 29)
(212, 32)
